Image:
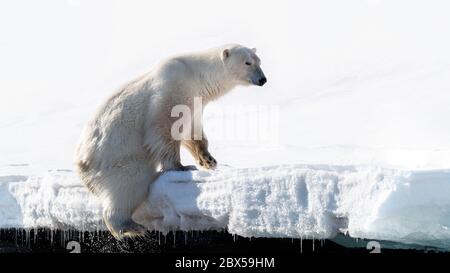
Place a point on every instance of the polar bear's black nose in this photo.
(262, 81)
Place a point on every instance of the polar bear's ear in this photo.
(254, 50)
(225, 54)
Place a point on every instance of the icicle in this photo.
(301, 244)
(174, 235)
(28, 236)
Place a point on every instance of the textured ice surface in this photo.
(300, 201)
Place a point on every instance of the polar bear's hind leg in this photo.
(128, 188)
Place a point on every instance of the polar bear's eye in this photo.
(248, 63)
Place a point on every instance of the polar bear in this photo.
(129, 143)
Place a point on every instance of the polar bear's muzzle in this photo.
(258, 77)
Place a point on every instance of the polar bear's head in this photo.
(243, 65)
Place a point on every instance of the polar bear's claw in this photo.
(189, 168)
(207, 162)
(129, 229)
(133, 231)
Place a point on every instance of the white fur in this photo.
(129, 137)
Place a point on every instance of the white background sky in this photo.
(381, 66)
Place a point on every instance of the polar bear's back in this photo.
(116, 131)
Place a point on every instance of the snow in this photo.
(290, 201)
(357, 93)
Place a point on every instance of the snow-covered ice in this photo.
(291, 201)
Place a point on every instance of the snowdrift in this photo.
(298, 201)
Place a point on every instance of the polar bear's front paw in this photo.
(207, 161)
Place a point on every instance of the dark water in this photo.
(208, 242)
